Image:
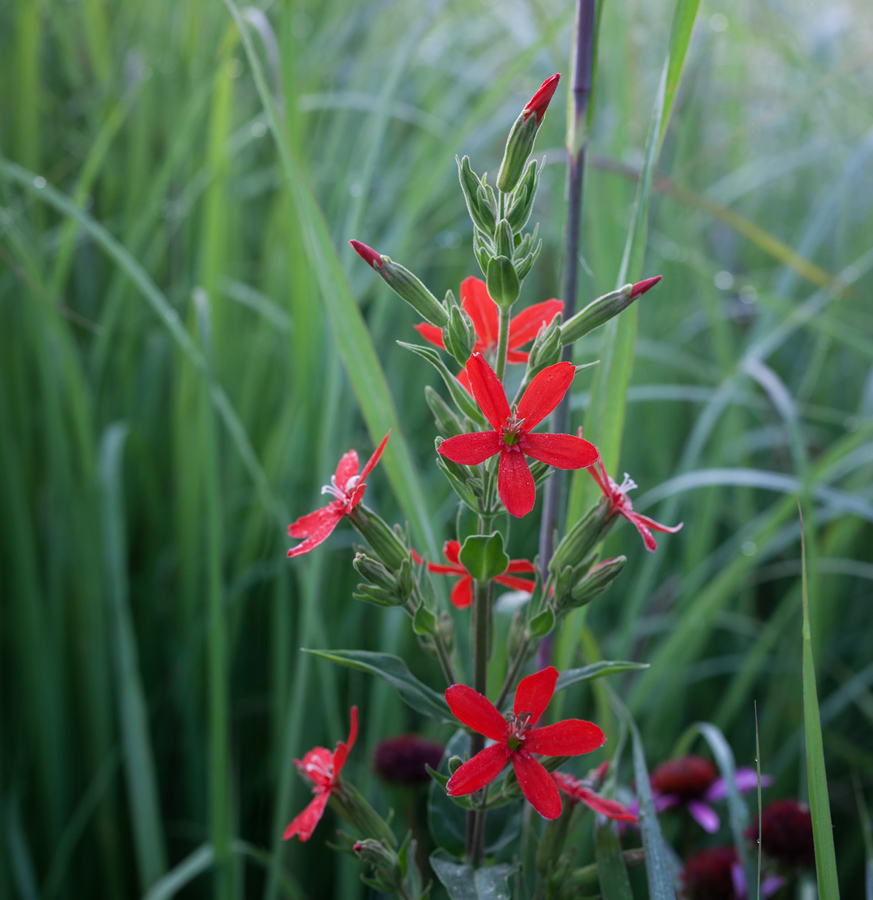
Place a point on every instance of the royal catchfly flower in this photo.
(347, 488)
(462, 592)
(323, 769)
(479, 306)
(513, 437)
(581, 790)
(516, 738)
(620, 504)
(786, 833)
(403, 759)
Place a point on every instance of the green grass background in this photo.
(173, 392)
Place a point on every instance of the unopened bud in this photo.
(597, 580)
(502, 280)
(386, 872)
(546, 349)
(522, 136)
(503, 242)
(384, 542)
(476, 197)
(604, 308)
(581, 539)
(455, 763)
(523, 196)
(447, 423)
(459, 335)
(374, 572)
(483, 251)
(539, 103)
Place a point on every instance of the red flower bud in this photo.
(368, 254)
(539, 103)
(642, 286)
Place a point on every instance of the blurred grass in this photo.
(157, 269)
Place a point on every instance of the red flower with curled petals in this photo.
(516, 740)
(347, 488)
(580, 790)
(462, 592)
(479, 306)
(620, 505)
(323, 769)
(513, 437)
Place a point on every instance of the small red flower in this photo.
(539, 103)
(620, 504)
(517, 738)
(478, 304)
(323, 769)
(712, 874)
(577, 789)
(347, 488)
(462, 592)
(512, 436)
(685, 776)
(786, 833)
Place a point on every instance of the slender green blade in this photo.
(611, 870)
(595, 670)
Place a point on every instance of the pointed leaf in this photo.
(595, 670)
(483, 556)
(463, 882)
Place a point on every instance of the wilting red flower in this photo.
(479, 306)
(786, 833)
(402, 759)
(323, 769)
(712, 874)
(620, 504)
(462, 592)
(539, 103)
(512, 436)
(517, 738)
(347, 488)
(582, 791)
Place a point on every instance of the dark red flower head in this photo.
(516, 740)
(685, 776)
(582, 791)
(786, 833)
(620, 504)
(347, 488)
(539, 103)
(368, 254)
(323, 769)
(712, 875)
(513, 437)
(402, 759)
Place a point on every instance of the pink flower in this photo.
(516, 740)
(323, 769)
(539, 103)
(620, 504)
(347, 488)
(512, 435)
(462, 592)
(478, 304)
(582, 791)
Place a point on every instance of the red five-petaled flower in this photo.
(462, 592)
(479, 306)
(579, 790)
(347, 488)
(512, 436)
(516, 740)
(620, 504)
(322, 768)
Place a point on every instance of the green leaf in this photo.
(611, 870)
(502, 279)
(395, 671)
(424, 621)
(542, 623)
(483, 556)
(595, 670)
(463, 882)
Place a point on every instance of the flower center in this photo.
(512, 431)
(519, 728)
(319, 770)
(340, 493)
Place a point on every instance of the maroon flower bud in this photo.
(687, 776)
(402, 759)
(642, 286)
(539, 103)
(786, 833)
(368, 254)
(708, 875)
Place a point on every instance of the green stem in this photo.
(512, 673)
(502, 341)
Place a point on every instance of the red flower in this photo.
(322, 768)
(478, 304)
(517, 738)
(347, 487)
(621, 505)
(512, 436)
(462, 592)
(712, 874)
(580, 790)
(539, 103)
(786, 833)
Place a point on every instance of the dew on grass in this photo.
(724, 281)
(39, 182)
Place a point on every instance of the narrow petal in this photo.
(657, 526)
(481, 309)
(705, 816)
(515, 483)
(303, 825)
(745, 778)
(462, 593)
(311, 522)
(521, 565)
(475, 773)
(346, 469)
(533, 693)
(537, 786)
(598, 473)
(472, 448)
(371, 462)
(443, 569)
(431, 333)
(514, 357)
(321, 533)
(563, 451)
(452, 552)
(665, 801)
(343, 747)
(475, 711)
(544, 393)
(488, 391)
(636, 521)
(517, 584)
(525, 326)
(572, 737)
(464, 380)
(612, 809)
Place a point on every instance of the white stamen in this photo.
(627, 485)
(333, 490)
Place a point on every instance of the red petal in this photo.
(488, 391)
(537, 786)
(521, 565)
(525, 326)
(563, 451)
(598, 473)
(476, 712)
(513, 357)
(657, 526)
(368, 254)
(462, 593)
(515, 483)
(415, 557)
(481, 309)
(471, 449)
(442, 569)
(464, 381)
(343, 747)
(303, 825)
(482, 769)
(572, 737)
(609, 808)
(637, 522)
(642, 286)
(346, 469)
(311, 522)
(371, 462)
(544, 393)
(517, 584)
(539, 103)
(431, 333)
(321, 533)
(452, 552)
(534, 693)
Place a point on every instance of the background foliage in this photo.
(172, 395)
